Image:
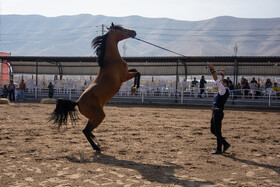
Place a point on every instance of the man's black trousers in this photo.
(216, 128)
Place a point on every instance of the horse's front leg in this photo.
(134, 73)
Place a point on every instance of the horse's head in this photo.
(121, 33)
(117, 32)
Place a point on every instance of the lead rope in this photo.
(153, 44)
(159, 47)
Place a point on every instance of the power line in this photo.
(174, 35)
(240, 35)
(82, 30)
(210, 30)
(42, 40)
(150, 29)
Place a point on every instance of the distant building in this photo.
(4, 70)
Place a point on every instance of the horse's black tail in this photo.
(64, 108)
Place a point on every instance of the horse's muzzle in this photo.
(133, 34)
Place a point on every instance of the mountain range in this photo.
(36, 35)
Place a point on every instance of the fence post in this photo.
(269, 98)
(70, 94)
(36, 93)
(182, 96)
(142, 97)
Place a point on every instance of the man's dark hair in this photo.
(226, 81)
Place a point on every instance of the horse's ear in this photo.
(112, 25)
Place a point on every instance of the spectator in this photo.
(237, 90)
(22, 88)
(17, 94)
(268, 87)
(5, 92)
(254, 80)
(238, 87)
(253, 84)
(51, 90)
(258, 90)
(11, 88)
(268, 84)
(276, 89)
(245, 86)
(202, 83)
(194, 87)
(230, 85)
(194, 82)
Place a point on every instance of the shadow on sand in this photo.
(248, 162)
(164, 174)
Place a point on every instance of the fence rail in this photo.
(237, 97)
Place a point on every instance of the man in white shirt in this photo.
(218, 110)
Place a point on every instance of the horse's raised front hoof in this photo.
(133, 89)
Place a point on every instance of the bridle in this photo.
(133, 37)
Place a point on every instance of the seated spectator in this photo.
(238, 87)
(258, 91)
(237, 90)
(268, 84)
(276, 89)
(268, 87)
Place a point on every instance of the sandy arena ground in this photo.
(142, 146)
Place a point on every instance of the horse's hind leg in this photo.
(91, 125)
(90, 140)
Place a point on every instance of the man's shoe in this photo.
(226, 147)
(216, 152)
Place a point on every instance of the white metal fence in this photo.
(171, 95)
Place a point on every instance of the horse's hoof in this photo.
(97, 142)
(97, 149)
(133, 89)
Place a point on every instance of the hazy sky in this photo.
(189, 10)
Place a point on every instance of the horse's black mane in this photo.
(99, 44)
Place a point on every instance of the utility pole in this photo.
(124, 49)
(235, 49)
(235, 66)
(103, 29)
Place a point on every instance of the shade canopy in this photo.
(194, 65)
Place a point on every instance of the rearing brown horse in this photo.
(113, 72)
